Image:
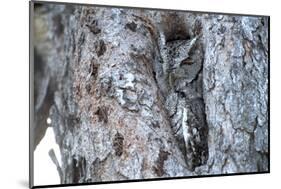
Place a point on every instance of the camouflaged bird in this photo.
(183, 65)
(180, 61)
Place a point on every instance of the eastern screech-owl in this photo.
(183, 66)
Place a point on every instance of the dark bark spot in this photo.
(181, 94)
(100, 48)
(262, 22)
(131, 26)
(106, 86)
(154, 76)
(159, 167)
(121, 77)
(155, 124)
(88, 87)
(94, 70)
(102, 114)
(118, 144)
(133, 48)
(80, 42)
(58, 26)
(197, 29)
(72, 122)
(93, 27)
(79, 168)
(77, 90)
(81, 39)
(221, 29)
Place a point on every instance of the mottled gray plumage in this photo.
(185, 104)
(178, 51)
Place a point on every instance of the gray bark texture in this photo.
(139, 94)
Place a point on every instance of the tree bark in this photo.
(139, 94)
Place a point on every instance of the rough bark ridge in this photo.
(137, 94)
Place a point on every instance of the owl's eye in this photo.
(187, 61)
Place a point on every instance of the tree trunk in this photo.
(139, 94)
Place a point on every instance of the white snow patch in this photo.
(49, 121)
(45, 171)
